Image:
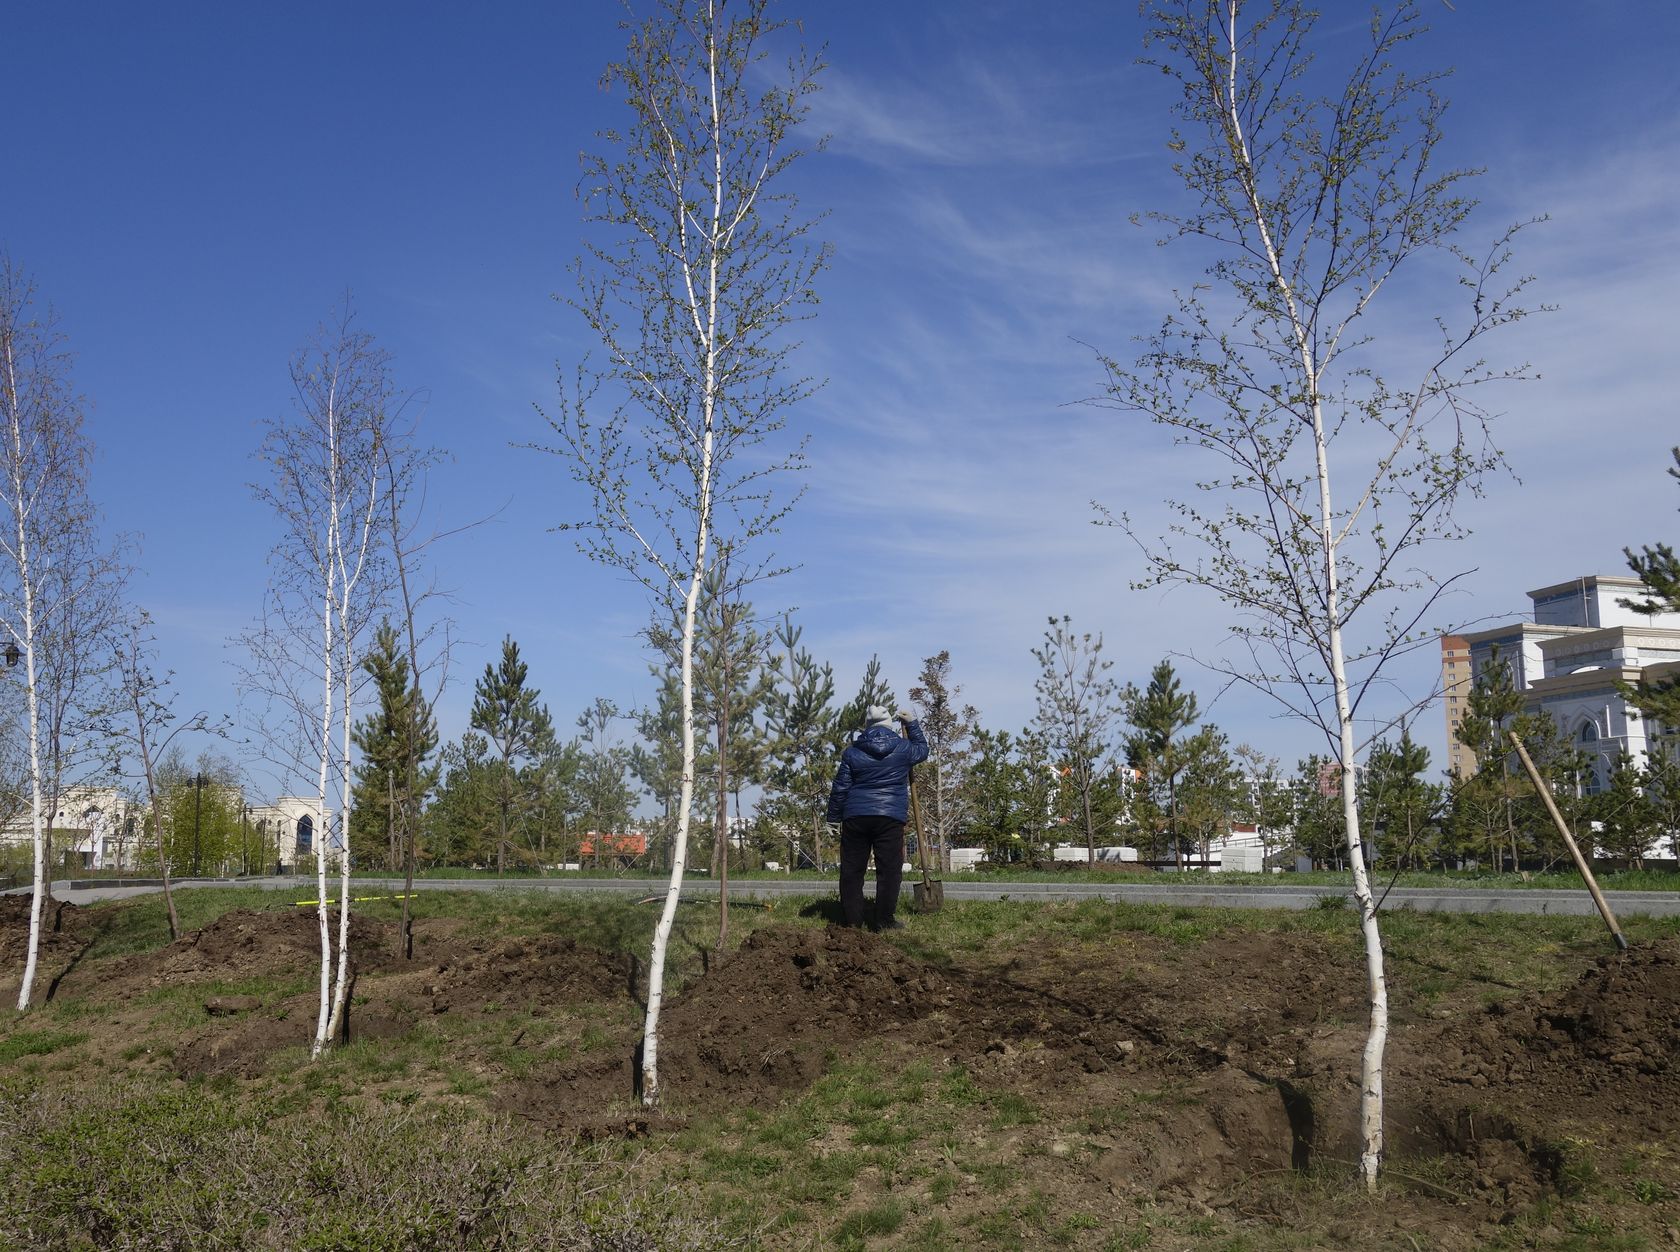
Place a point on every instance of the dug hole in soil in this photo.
(1256, 1036)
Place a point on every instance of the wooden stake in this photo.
(1545, 793)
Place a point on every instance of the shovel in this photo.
(930, 892)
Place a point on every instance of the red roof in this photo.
(631, 844)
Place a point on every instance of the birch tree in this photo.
(1078, 704)
(702, 267)
(1310, 195)
(50, 570)
(326, 580)
(730, 685)
(405, 463)
(950, 726)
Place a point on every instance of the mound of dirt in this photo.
(390, 995)
(763, 1021)
(760, 1025)
(1608, 1042)
(64, 938)
(541, 972)
(766, 1020)
(248, 943)
(1500, 1087)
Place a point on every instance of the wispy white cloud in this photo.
(1004, 108)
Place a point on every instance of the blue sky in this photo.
(194, 187)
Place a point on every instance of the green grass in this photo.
(37, 1043)
(1553, 880)
(190, 1167)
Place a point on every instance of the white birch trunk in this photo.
(705, 317)
(1376, 1039)
(26, 587)
(335, 1023)
(1371, 1069)
(38, 896)
(679, 849)
(324, 1010)
(321, 840)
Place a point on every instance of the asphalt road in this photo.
(1197, 895)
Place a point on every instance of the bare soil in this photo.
(1235, 1060)
(65, 937)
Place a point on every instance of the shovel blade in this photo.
(930, 897)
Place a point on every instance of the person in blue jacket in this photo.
(871, 801)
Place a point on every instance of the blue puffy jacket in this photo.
(874, 775)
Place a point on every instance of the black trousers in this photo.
(859, 838)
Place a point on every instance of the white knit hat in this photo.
(879, 716)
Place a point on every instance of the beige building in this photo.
(1455, 693)
(292, 825)
(1568, 660)
(93, 828)
(101, 829)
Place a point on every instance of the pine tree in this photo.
(804, 737)
(1626, 816)
(400, 731)
(1319, 822)
(1657, 566)
(1159, 715)
(1403, 807)
(729, 686)
(1493, 712)
(656, 762)
(553, 798)
(462, 823)
(1267, 799)
(507, 713)
(873, 691)
(1210, 789)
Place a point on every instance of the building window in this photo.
(1586, 738)
(305, 834)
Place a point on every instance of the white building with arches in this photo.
(93, 828)
(1568, 660)
(293, 826)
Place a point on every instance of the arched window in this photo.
(1586, 738)
(305, 834)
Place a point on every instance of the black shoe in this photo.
(892, 923)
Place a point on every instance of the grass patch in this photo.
(871, 1223)
(188, 1167)
(38, 1043)
(952, 1149)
